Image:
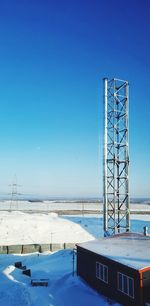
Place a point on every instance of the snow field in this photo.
(25, 228)
(64, 289)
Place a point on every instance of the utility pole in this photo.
(116, 210)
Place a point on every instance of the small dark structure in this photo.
(118, 267)
(18, 264)
(39, 282)
(27, 272)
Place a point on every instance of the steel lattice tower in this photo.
(14, 194)
(116, 157)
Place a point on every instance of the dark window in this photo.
(126, 284)
(102, 272)
(120, 281)
(97, 270)
(131, 289)
(105, 274)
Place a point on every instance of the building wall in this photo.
(86, 268)
(146, 285)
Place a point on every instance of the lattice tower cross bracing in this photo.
(116, 157)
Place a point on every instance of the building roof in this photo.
(130, 249)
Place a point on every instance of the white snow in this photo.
(64, 289)
(140, 217)
(24, 228)
(49, 205)
(63, 205)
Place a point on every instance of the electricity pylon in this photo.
(14, 194)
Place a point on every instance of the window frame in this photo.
(125, 280)
(102, 272)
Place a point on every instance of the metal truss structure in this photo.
(116, 157)
(14, 195)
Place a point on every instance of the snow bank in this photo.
(25, 228)
(64, 289)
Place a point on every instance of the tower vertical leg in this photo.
(105, 210)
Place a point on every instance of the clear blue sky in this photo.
(53, 56)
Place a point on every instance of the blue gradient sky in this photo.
(53, 56)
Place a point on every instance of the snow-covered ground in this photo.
(52, 206)
(64, 289)
(94, 223)
(30, 228)
(48, 205)
(23, 228)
